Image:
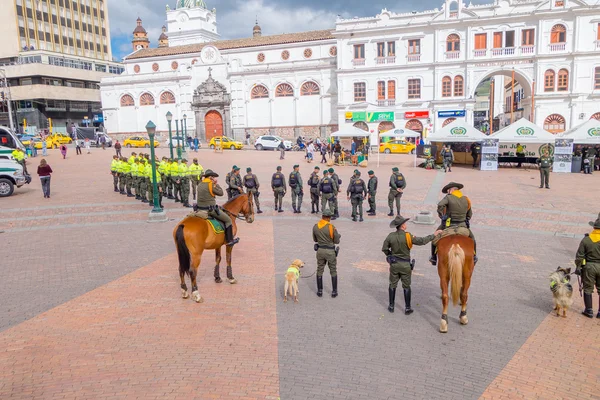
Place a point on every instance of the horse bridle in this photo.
(240, 216)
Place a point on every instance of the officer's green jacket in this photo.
(589, 249)
(399, 182)
(372, 185)
(358, 185)
(275, 176)
(325, 234)
(207, 192)
(456, 206)
(195, 171)
(545, 162)
(235, 182)
(298, 180)
(249, 178)
(336, 179)
(399, 243)
(313, 182)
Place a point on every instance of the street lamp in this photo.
(151, 129)
(184, 130)
(169, 119)
(177, 134)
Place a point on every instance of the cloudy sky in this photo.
(235, 18)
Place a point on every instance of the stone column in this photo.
(227, 121)
(323, 131)
(200, 127)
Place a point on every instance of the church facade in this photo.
(418, 70)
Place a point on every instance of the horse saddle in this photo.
(452, 230)
(216, 225)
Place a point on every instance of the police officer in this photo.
(252, 185)
(396, 247)
(184, 182)
(160, 169)
(207, 190)
(176, 179)
(397, 185)
(372, 193)
(454, 210)
(278, 186)
(545, 162)
(114, 170)
(126, 178)
(142, 181)
(195, 174)
(313, 182)
(327, 187)
(151, 185)
(326, 237)
(235, 182)
(295, 183)
(356, 192)
(587, 261)
(227, 187)
(335, 178)
(447, 157)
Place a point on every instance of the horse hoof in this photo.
(232, 281)
(285, 299)
(464, 320)
(218, 280)
(443, 327)
(184, 294)
(197, 298)
(295, 300)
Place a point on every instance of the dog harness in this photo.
(295, 270)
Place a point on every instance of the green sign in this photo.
(458, 131)
(525, 131)
(372, 116)
(594, 132)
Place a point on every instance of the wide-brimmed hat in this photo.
(452, 185)
(209, 172)
(327, 213)
(398, 221)
(595, 224)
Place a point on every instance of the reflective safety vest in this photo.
(134, 169)
(18, 155)
(161, 167)
(131, 159)
(195, 170)
(183, 170)
(277, 180)
(125, 167)
(174, 169)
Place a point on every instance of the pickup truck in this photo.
(11, 175)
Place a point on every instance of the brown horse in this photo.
(193, 235)
(455, 266)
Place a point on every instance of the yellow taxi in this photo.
(138, 141)
(228, 143)
(60, 138)
(37, 143)
(398, 146)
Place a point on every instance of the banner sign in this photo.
(370, 116)
(416, 114)
(489, 154)
(449, 114)
(563, 155)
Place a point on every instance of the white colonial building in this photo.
(418, 70)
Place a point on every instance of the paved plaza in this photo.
(91, 305)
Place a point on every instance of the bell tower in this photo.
(191, 22)
(140, 37)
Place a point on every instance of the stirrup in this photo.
(233, 242)
(433, 260)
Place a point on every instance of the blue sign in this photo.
(98, 118)
(448, 114)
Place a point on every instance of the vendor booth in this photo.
(459, 132)
(401, 133)
(346, 136)
(530, 136)
(581, 136)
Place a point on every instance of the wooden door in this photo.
(213, 123)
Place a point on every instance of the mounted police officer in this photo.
(587, 261)
(235, 182)
(335, 178)
(328, 187)
(372, 193)
(454, 210)
(313, 182)
(396, 247)
(295, 182)
(278, 186)
(251, 184)
(208, 188)
(397, 185)
(356, 192)
(326, 237)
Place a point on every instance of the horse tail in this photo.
(182, 251)
(456, 260)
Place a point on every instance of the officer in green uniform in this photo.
(134, 171)
(278, 186)
(175, 167)
(170, 182)
(126, 172)
(228, 184)
(356, 192)
(587, 261)
(142, 179)
(160, 168)
(313, 182)
(235, 182)
(327, 187)
(454, 210)
(208, 188)
(397, 185)
(151, 186)
(372, 193)
(326, 237)
(185, 183)
(295, 182)
(195, 172)
(338, 182)
(122, 178)
(396, 247)
(545, 162)
(252, 185)
(114, 170)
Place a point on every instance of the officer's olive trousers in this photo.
(327, 200)
(372, 202)
(394, 196)
(143, 187)
(278, 193)
(296, 198)
(400, 271)
(334, 199)
(220, 216)
(314, 198)
(326, 257)
(591, 277)
(115, 179)
(185, 190)
(544, 176)
(254, 192)
(357, 203)
(194, 182)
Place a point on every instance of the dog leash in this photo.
(309, 275)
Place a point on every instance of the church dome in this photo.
(256, 31)
(139, 28)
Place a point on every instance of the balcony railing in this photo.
(380, 60)
(503, 51)
(385, 60)
(528, 49)
(452, 55)
(557, 46)
(480, 53)
(388, 102)
(358, 61)
(413, 57)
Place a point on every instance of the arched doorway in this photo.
(596, 116)
(415, 125)
(554, 123)
(213, 122)
(385, 126)
(448, 121)
(361, 125)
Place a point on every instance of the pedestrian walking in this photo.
(44, 172)
(372, 193)
(278, 186)
(103, 142)
(44, 147)
(77, 146)
(118, 149)
(295, 182)
(356, 192)
(281, 148)
(545, 162)
(323, 154)
(326, 237)
(63, 150)
(247, 138)
(397, 185)
(196, 144)
(88, 145)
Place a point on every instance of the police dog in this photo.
(561, 290)
(291, 280)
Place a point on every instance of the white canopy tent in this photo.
(457, 132)
(523, 131)
(350, 132)
(586, 133)
(399, 134)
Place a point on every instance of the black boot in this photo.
(475, 258)
(116, 190)
(589, 311)
(392, 296)
(320, 286)
(391, 214)
(299, 212)
(160, 203)
(294, 207)
(312, 209)
(280, 209)
(129, 194)
(354, 218)
(598, 315)
(360, 219)
(229, 239)
(258, 211)
(334, 292)
(433, 258)
(407, 310)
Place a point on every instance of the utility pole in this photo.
(8, 99)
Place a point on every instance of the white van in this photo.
(11, 175)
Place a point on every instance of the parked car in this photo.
(397, 146)
(11, 175)
(138, 141)
(37, 143)
(269, 142)
(25, 139)
(174, 141)
(60, 138)
(228, 143)
(106, 137)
